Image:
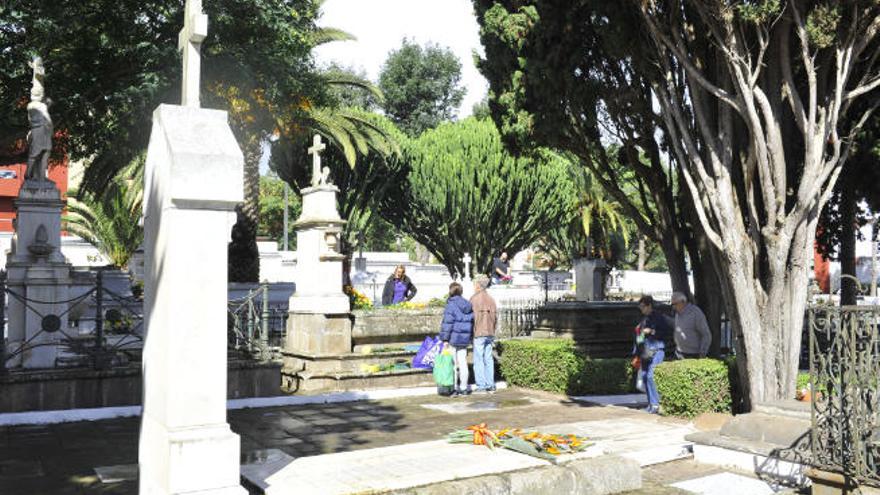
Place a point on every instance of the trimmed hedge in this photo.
(555, 365)
(691, 387)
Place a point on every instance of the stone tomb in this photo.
(318, 353)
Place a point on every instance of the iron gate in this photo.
(845, 375)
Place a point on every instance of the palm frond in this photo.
(336, 78)
(326, 35)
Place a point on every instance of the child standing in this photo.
(457, 330)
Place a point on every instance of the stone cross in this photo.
(467, 266)
(315, 151)
(189, 41)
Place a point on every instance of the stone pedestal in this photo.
(589, 277)
(318, 261)
(193, 182)
(319, 324)
(38, 272)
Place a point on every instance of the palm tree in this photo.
(596, 228)
(252, 115)
(111, 221)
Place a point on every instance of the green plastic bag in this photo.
(444, 369)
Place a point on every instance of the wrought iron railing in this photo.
(117, 333)
(256, 330)
(844, 364)
(518, 317)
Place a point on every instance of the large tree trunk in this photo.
(674, 251)
(244, 256)
(768, 315)
(848, 286)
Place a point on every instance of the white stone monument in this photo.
(467, 284)
(319, 322)
(193, 182)
(38, 274)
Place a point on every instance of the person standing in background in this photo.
(501, 269)
(398, 288)
(485, 322)
(692, 335)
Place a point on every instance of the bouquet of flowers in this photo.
(541, 445)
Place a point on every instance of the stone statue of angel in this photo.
(39, 137)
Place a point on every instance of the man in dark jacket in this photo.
(457, 330)
(398, 288)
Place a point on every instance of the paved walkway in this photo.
(62, 458)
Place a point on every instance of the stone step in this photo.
(781, 431)
(343, 381)
(762, 458)
(789, 408)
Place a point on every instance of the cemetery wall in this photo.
(59, 389)
(389, 327)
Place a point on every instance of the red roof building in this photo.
(12, 177)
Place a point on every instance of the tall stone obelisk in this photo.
(38, 274)
(193, 182)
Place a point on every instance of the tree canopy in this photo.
(421, 85)
(464, 193)
(758, 109)
(362, 187)
(109, 64)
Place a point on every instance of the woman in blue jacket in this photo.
(457, 329)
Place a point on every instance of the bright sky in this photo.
(381, 25)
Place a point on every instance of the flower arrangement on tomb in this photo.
(358, 299)
(533, 443)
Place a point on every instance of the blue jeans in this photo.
(484, 363)
(648, 377)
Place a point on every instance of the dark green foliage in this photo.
(272, 210)
(243, 255)
(555, 365)
(109, 64)
(111, 221)
(465, 193)
(351, 96)
(691, 387)
(379, 171)
(606, 376)
(567, 75)
(421, 86)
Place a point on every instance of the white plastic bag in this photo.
(640, 383)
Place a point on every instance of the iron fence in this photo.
(255, 330)
(844, 357)
(518, 317)
(115, 338)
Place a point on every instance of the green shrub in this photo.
(605, 376)
(555, 365)
(548, 364)
(691, 387)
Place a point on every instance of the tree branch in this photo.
(685, 61)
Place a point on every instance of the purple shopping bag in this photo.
(426, 354)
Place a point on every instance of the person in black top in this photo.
(500, 269)
(655, 329)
